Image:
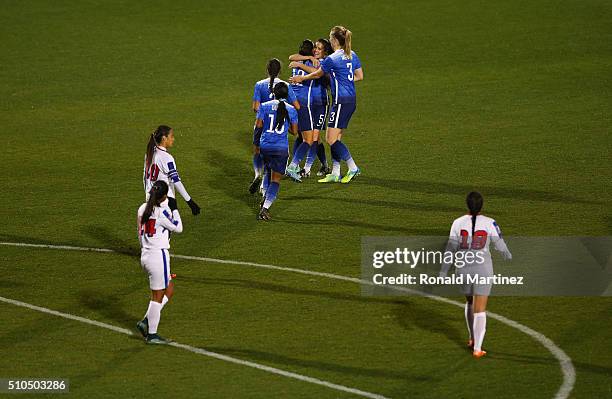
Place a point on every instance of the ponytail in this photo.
(281, 92)
(156, 194)
(281, 115)
(274, 68)
(343, 36)
(474, 203)
(155, 139)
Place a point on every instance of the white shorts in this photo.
(471, 289)
(156, 263)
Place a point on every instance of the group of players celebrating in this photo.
(303, 108)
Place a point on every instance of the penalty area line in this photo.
(200, 351)
(565, 362)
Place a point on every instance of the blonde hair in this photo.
(343, 37)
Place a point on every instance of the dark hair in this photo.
(157, 192)
(327, 47)
(274, 68)
(306, 47)
(155, 139)
(281, 92)
(343, 36)
(474, 203)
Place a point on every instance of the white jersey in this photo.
(155, 233)
(486, 231)
(163, 167)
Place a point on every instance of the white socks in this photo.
(163, 303)
(469, 319)
(351, 164)
(480, 326)
(153, 315)
(336, 168)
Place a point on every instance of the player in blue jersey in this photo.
(263, 93)
(313, 100)
(275, 119)
(344, 68)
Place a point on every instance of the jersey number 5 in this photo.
(478, 241)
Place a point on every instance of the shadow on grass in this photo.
(527, 359)
(333, 222)
(463, 189)
(110, 240)
(283, 360)
(382, 203)
(108, 306)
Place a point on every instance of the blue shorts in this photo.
(275, 159)
(340, 115)
(311, 117)
(256, 136)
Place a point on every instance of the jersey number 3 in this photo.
(478, 242)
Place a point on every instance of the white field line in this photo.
(201, 351)
(565, 362)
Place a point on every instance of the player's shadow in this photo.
(530, 359)
(108, 306)
(463, 189)
(110, 240)
(230, 175)
(411, 314)
(333, 222)
(282, 289)
(381, 203)
(289, 361)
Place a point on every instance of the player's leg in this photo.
(257, 164)
(159, 279)
(480, 323)
(312, 153)
(300, 153)
(469, 319)
(277, 163)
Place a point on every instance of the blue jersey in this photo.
(262, 91)
(271, 138)
(341, 70)
(309, 92)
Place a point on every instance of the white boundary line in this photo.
(565, 362)
(201, 351)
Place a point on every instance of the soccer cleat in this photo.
(324, 170)
(479, 354)
(350, 175)
(264, 214)
(143, 327)
(304, 174)
(293, 173)
(255, 185)
(329, 179)
(157, 340)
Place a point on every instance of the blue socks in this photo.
(340, 152)
(321, 153)
(296, 144)
(311, 156)
(257, 164)
(271, 193)
(299, 154)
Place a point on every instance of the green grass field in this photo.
(511, 98)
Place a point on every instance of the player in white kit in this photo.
(474, 232)
(160, 165)
(155, 224)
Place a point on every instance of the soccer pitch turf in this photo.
(512, 99)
